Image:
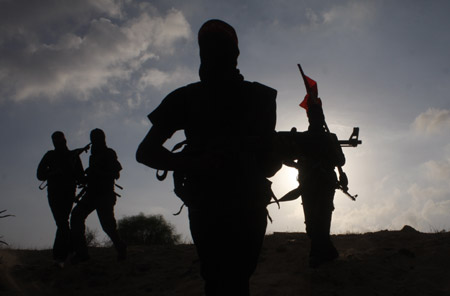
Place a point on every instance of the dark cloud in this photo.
(75, 47)
(77, 65)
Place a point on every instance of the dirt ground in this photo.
(404, 262)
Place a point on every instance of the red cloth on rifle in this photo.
(312, 93)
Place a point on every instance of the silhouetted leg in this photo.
(77, 224)
(61, 205)
(318, 208)
(228, 245)
(105, 213)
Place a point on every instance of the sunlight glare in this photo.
(284, 181)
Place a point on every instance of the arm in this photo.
(117, 167)
(43, 169)
(273, 162)
(152, 153)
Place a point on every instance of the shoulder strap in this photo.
(161, 175)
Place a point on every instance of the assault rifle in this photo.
(81, 194)
(290, 145)
(303, 138)
(293, 144)
(84, 190)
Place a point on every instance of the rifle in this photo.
(287, 140)
(81, 194)
(120, 187)
(293, 144)
(353, 141)
(84, 191)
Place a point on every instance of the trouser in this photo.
(318, 208)
(228, 246)
(105, 213)
(61, 205)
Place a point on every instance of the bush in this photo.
(147, 230)
(91, 238)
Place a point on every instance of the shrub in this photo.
(147, 230)
(91, 237)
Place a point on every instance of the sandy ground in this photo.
(403, 262)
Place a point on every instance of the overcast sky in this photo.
(381, 65)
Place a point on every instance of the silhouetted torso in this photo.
(232, 120)
(61, 168)
(103, 169)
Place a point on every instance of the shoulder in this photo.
(184, 91)
(113, 158)
(173, 107)
(262, 90)
(178, 98)
(111, 152)
(49, 155)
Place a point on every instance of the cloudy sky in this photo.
(381, 65)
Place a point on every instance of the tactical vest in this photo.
(235, 121)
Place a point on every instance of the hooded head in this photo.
(219, 51)
(59, 140)
(98, 137)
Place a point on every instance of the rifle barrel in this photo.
(350, 143)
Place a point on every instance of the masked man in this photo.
(104, 169)
(62, 169)
(222, 173)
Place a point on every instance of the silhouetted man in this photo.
(221, 174)
(318, 181)
(104, 169)
(62, 169)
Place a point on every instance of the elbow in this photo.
(340, 161)
(140, 155)
(145, 155)
(41, 176)
(151, 151)
(343, 161)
